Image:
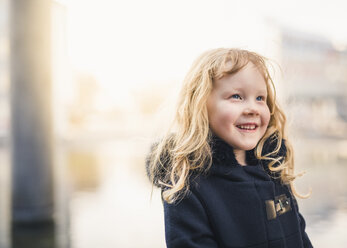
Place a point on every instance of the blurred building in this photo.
(315, 76)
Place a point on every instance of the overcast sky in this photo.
(131, 43)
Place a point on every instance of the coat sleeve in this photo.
(305, 239)
(187, 224)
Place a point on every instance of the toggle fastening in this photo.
(277, 207)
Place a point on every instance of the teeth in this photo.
(247, 127)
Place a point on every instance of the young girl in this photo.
(225, 167)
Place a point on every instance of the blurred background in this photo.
(87, 85)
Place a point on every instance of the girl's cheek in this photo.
(266, 116)
(229, 112)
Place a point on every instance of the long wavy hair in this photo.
(186, 147)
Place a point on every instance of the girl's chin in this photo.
(247, 143)
(249, 148)
(245, 147)
(242, 148)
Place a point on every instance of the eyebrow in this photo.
(264, 92)
(259, 91)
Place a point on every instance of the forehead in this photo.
(248, 76)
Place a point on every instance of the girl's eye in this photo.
(235, 96)
(260, 98)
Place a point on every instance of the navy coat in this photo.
(235, 206)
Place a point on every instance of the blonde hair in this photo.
(185, 147)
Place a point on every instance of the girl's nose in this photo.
(251, 109)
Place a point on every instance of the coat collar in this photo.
(223, 153)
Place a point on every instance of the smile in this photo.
(247, 127)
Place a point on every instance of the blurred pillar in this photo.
(32, 168)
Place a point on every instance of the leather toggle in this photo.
(277, 207)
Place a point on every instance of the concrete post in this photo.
(31, 115)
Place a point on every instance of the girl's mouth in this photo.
(247, 127)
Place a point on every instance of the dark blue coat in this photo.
(235, 206)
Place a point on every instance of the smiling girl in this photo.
(225, 167)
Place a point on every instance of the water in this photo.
(116, 209)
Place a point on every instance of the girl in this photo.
(225, 167)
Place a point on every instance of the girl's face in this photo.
(237, 108)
